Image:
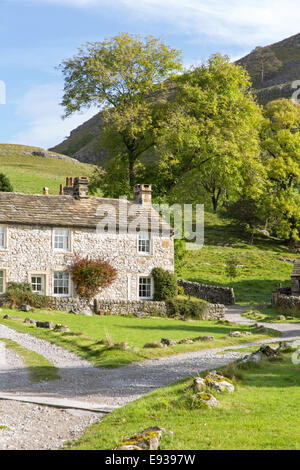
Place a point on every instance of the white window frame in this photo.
(69, 284)
(3, 237)
(151, 287)
(63, 234)
(3, 278)
(43, 283)
(144, 237)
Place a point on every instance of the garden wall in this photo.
(290, 302)
(213, 294)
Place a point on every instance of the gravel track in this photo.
(81, 381)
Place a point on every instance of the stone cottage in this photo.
(296, 278)
(40, 236)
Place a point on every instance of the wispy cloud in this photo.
(233, 21)
(45, 127)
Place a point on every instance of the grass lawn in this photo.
(270, 315)
(261, 273)
(38, 366)
(30, 174)
(87, 333)
(262, 413)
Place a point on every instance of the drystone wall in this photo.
(213, 294)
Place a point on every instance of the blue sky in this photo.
(35, 35)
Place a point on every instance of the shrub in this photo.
(165, 284)
(188, 308)
(19, 293)
(90, 276)
(5, 184)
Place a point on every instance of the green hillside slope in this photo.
(29, 172)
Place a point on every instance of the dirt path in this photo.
(288, 330)
(81, 381)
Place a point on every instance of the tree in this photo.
(212, 130)
(5, 185)
(280, 142)
(231, 268)
(123, 74)
(261, 63)
(249, 213)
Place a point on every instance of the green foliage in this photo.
(165, 284)
(248, 213)
(230, 268)
(187, 308)
(121, 72)
(5, 185)
(211, 130)
(90, 276)
(19, 293)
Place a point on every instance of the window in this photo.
(2, 236)
(144, 244)
(2, 282)
(145, 287)
(61, 239)
(61, 284)
(38, 284)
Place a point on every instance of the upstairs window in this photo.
(62, 239)
(144, 243)
(2, 282)
(145, 288)
(61, 284)
(2, 236)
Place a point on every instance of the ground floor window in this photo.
(38, 284)
(2, 282)
(61, 284)
(145, 287)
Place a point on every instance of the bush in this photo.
(19, 293)
(5, 185)
(90, 276)
(187, 308)
(165, 284)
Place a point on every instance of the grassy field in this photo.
(30, 174)
(263, 413)
(39, 367)
(271, 314)
(87, 333)
(261, 270)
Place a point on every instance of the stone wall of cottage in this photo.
(30, 251)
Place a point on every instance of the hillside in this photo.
(272, 69)
(31, 168)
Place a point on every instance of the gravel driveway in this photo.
(29, 424)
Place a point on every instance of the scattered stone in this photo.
(204, 338)
(62, 328)
(45, 324)
(155, 344)
(30, 321)
(281, 318)
(219, 382)
(8, 317)
(199, 384)
(235, 334)
(25, 308)
(208, 399)
(261, 329)
(264, 352)
(148, 439)
(168, 342)
(186, 341)
(287, 260)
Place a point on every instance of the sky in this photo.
(36, 35)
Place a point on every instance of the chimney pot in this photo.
(142, 194)
(61, 190)
(46, 191)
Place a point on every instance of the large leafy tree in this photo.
(121, 74)
(280, 141)
(211, 132)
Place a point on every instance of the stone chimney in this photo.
(81, 187)
(142, 194)
(69, 188)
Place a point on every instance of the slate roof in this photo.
(66, 211)
(296, 269)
